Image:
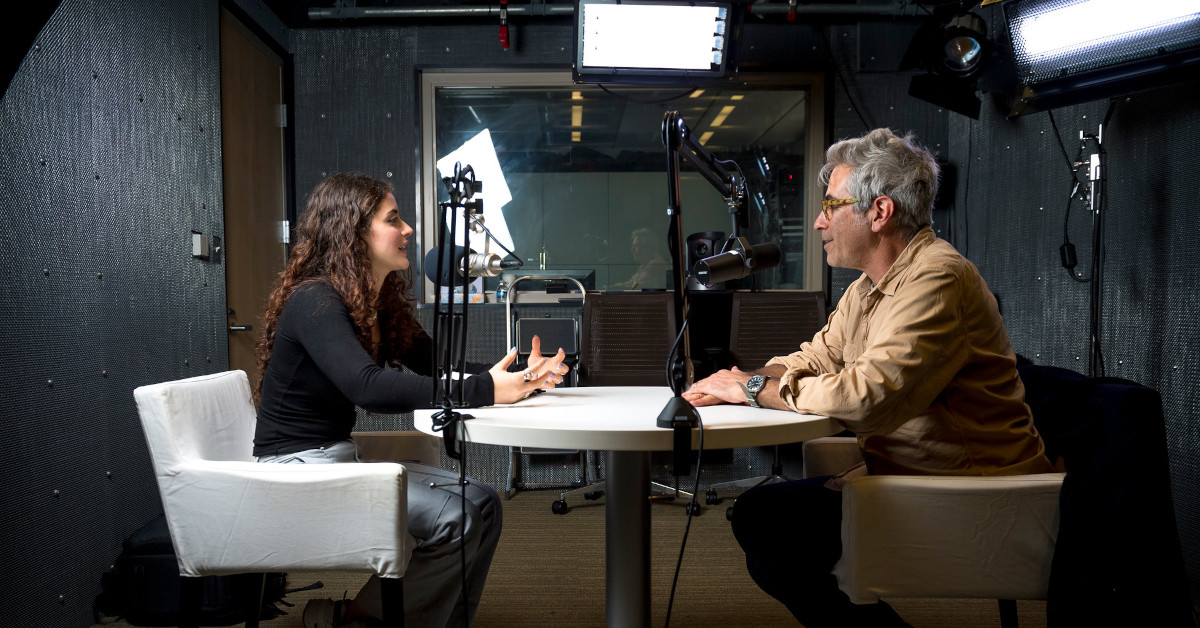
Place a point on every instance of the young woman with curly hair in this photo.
(337, 328)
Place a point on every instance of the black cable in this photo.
(967, 197)
(497, 240)
(462, 542)
(646, 102)
(1067, 249)
(691, 508)
(845, 86)
(674, 347)
(1061, 146)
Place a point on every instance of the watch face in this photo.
(755, 383)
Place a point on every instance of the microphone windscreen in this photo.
(448, 263)
(766, 255)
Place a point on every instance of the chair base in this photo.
(776, 475)
(667, 493)
(591, 492)
(713, 497)
(660, 492)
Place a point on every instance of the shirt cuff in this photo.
(792, 383)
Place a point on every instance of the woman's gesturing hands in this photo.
(539, 372)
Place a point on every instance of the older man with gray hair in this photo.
(915, 360)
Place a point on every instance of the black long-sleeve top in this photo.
(319, 372)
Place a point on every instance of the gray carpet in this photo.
(549, 571)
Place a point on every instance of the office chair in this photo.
(554, 333)
(626, 338)
(228, 514)
(764, 325)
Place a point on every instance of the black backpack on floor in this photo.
(143, 585)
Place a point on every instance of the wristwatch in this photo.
(752, 388)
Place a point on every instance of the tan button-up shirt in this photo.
(920, 367)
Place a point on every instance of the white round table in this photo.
(622, 421)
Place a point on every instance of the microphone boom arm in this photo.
(680, 144)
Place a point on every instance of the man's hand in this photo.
(720, 387)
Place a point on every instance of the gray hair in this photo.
(885, 164)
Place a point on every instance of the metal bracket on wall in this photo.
(206, 248)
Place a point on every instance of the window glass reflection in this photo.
(586, 169)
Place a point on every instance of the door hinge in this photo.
(285, 232)
(283, 116)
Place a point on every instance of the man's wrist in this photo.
(752, 387)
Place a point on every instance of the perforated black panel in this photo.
(1016, 199)
(1005, 216)
(111, 158)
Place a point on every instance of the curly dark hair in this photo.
(330, 249)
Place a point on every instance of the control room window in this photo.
(581, 184)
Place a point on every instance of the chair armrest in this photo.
(234, 517)
(948, 536)
(830, 455)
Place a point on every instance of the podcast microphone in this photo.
(476, 264)
(740, 261)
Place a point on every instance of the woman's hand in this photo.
(540, 372)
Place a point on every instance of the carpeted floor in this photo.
(549, 571)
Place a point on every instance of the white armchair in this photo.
(941, 536)
(228, 514)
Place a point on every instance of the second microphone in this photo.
(469, 264)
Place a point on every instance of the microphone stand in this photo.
(461, 187)
(679, 142)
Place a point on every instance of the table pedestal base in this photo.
(627, 538)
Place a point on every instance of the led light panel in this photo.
(1057, 38)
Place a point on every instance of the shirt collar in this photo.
(887, 285)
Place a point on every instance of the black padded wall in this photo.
(357, 109)
(1013, 208)
(357, 93)
(111, 158)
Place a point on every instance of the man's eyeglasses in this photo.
(827, 206)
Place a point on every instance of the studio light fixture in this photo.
(964, 37)
(954, 51)
(1071, 51)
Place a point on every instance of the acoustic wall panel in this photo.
(1015, 202)
(111, 157)
(998, 166)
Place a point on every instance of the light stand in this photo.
(1097, 199)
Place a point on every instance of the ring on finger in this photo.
(527, 376)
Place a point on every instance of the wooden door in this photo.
(255, 197)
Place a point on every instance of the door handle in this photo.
(241, 328)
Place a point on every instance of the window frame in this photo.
(428, 179)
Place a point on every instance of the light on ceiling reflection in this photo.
(720, 119)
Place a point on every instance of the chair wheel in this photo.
(693, 509)
(559, 507)
(711, 497)
(593, 495)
